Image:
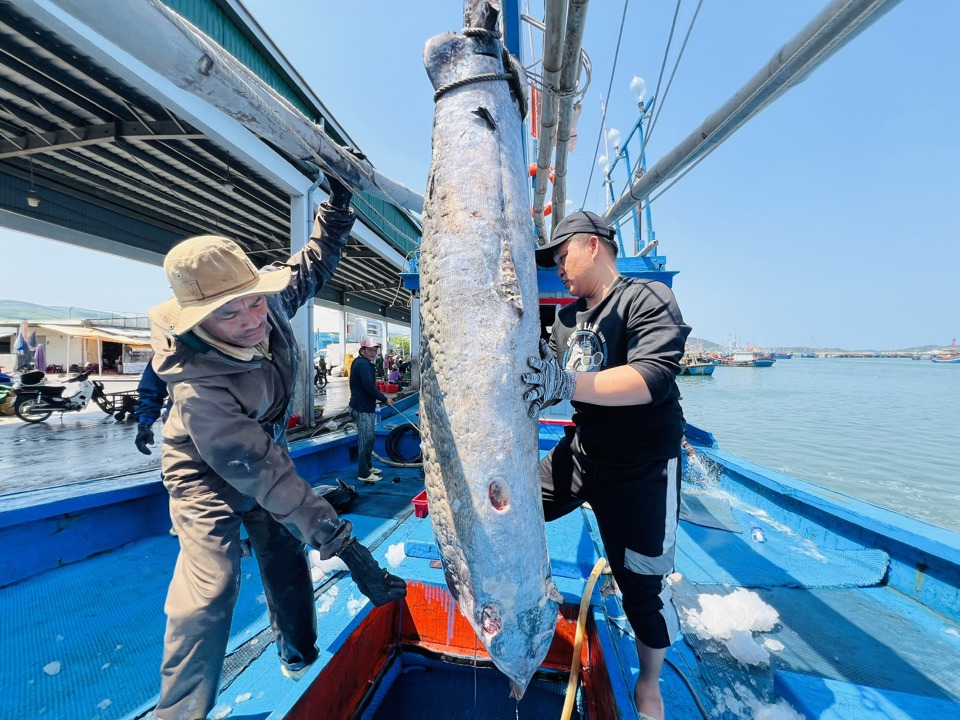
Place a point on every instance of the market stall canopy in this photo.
(134, 338)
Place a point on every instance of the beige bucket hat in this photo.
(205, 273)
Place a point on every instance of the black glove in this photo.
(340, 194)
(549, 384)
(144, 438)
(371, 579)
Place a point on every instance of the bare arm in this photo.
(614, 387)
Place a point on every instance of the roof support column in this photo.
(300, 224)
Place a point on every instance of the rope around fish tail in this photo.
(571, 695)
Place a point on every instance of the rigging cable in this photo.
(663, 65)
(596, 150)
(676, 65)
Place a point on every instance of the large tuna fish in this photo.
(480, 322)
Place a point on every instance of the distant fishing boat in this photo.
(949, 355)
(807, 355)
(747, 359)
(781, 355)
(697, 364)
(697, 367)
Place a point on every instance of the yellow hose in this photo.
(578, 640)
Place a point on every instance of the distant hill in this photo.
(694, 343)
(14, 311)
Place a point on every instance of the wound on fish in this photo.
(486, 115)
(499, 494)
(490, 619)
(508, 287)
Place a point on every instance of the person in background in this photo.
(615, 353)
(364, 395)
(378, 363)
(152, 395)
(394, 376)
(226, 348)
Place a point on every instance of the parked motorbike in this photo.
(35, 402)
(320, 373)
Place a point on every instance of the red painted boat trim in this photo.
(428, 618)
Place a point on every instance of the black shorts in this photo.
(637, 508)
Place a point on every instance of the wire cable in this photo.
(676, 65)
(603, 117)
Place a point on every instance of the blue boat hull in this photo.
(867, 602)
(705, 369)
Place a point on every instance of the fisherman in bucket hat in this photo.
(227, 351)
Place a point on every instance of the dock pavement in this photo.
(81, 447)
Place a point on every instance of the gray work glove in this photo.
(371, 579)
(550, 384)
(144, 438)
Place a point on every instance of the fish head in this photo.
(518, 645)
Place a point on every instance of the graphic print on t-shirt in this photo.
(586, 349)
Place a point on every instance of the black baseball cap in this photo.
(579, 222)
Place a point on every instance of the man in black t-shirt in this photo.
(615, 353)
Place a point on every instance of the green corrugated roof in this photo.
(219, 23)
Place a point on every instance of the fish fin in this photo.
(508, 287)
(486, 116)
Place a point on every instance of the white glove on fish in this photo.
(550, 384)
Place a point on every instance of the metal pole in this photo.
(636, 216)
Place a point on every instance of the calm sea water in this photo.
(883, 431)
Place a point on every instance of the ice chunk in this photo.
(731, 619)
(743, 647)
(740, 610)
(326, 567)
(105, 703)
(244, 697)
(52, 668)
(395, 555)
(328, 599)
(220, 712)
(354, 605)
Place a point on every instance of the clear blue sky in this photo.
(827, 220)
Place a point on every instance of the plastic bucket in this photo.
(420, 504)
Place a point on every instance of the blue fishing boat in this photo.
(697, 366)
(789, 595)
(846, 610)
(747, 359)
(781, 355)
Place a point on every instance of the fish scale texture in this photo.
(108, 646)
(480, 322)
